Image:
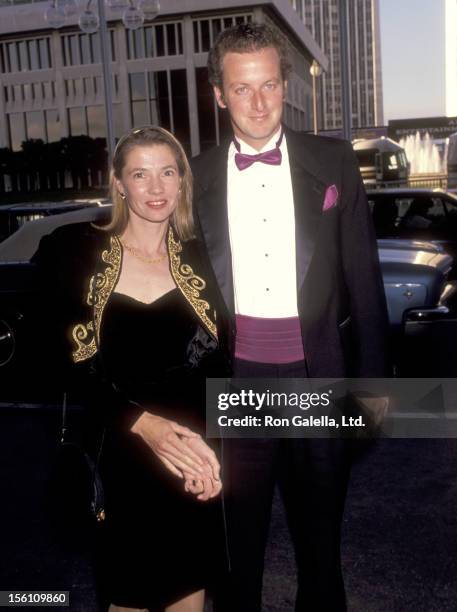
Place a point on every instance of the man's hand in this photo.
(203, 488)
(163, 437)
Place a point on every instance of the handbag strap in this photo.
(63, 426)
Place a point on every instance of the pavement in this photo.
(399, 540)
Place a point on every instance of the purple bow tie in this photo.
(273, 157)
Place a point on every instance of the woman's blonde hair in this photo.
(181, 219)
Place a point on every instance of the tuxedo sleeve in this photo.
(362, 275)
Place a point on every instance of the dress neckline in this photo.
(129, 297)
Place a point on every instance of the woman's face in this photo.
(150, 181)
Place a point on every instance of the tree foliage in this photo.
(76, 162)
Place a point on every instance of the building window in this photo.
(16, 124)
(172, 39)
(139, 113)
(79, 88)
(150, 41)
(18, 94)
(205, 39)
(12, 54)
(48, 91)
(118, 121)
(74, 54)
(4, 64)
(23, 62)
(137, 82)
(69, 89)
(88, 83)
(178, 94)
(96, 121)
(37, 92)
(35, 125)
(79, 48)
(136, 45)
(44, 53)
(53, 127)
(77, 121)
(94, 40)
(160, 108)
(112, 44)
(27, 88)
(206, 30)
(98, 85)
(86, 54)
(206, 110)
(32, 49)
(22, 55)
(161, 40)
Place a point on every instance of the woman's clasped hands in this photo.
(183, 452)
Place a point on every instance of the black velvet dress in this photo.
(120, 357)
(158, 543)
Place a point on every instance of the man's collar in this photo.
(271, 144)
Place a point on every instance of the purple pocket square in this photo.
(331, 197)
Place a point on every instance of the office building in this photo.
(51, 79)
(322, 19)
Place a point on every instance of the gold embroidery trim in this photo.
(189, 283)
(101, 286)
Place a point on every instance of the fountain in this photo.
(423, 154)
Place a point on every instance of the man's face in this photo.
(253, 92)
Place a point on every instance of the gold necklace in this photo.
(149, 260)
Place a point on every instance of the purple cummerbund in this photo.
(268, 340)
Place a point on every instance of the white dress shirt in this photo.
(262, 234)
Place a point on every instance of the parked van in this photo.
(382, 162)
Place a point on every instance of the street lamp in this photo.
(89, 22)
(345, 70)
(316, 71)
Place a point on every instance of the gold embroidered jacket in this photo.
(79, 266)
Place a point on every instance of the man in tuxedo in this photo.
(289, 235)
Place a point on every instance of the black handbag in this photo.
(78, 496)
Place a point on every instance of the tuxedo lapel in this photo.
(308, 191)
(212, 213)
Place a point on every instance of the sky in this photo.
(412, 55)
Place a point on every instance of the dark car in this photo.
(422, 305)
(18, 355)
(13, 216)
(417, 214)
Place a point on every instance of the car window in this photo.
(385, 215)
(402, 206)
(421, 217)
(451, 210)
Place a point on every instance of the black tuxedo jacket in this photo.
(340, 294)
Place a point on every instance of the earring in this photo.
(123, 196)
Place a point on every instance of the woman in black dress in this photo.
(139, 315)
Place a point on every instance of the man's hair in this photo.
(246, 38)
